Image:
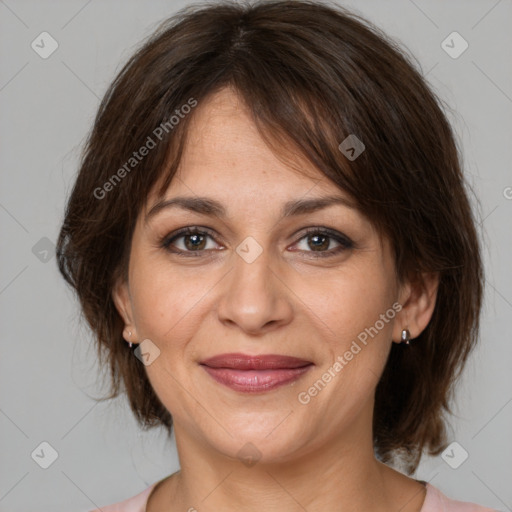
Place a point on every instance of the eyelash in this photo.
(343, 240)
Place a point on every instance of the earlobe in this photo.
(122, 302)
(419, 298)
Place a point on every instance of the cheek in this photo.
(355, 312)
(166, 306)
(350, 301)
(164, 300)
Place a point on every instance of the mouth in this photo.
(255, 374)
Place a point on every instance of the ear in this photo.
(418, 299)
(122, 301)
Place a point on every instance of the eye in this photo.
(319, 240)
(191, 241)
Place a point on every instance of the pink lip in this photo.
(253, 374)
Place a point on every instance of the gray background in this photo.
(48, 368)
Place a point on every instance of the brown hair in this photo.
(311, 74)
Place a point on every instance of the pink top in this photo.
(435, 501)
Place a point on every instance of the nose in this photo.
(254, 297)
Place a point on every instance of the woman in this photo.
(271, 239)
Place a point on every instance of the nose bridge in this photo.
(253, 298)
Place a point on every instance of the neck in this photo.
(342, 474)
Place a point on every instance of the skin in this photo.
(317, 456)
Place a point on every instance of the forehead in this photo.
(225, 155)
(227, 163)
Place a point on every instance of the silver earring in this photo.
(406, 336)
(130, 344)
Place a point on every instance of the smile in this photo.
(255, 374)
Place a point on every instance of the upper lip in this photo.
(254, 362)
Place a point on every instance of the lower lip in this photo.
(255, 381)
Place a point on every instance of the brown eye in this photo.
(320, 241)
(189, 242)
(194, 242)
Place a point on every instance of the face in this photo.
(317, 284)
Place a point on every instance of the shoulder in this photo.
(135, 504)
(436, 501)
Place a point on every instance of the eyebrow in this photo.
(207, 206)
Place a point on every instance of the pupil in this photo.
(322, 245)
(196, 241)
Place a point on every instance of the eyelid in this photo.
(333, 233)
(166, 241)
(345, 242)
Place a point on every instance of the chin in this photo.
(259, 438)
